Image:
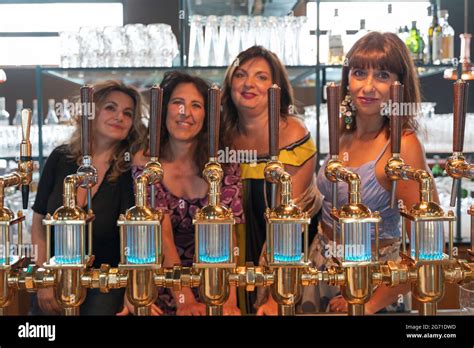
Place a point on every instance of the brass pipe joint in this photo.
(104, 278)
(396, 169)
(32, 278)
(458, 168)
(153, 171)
(336, 172)
(177, 277)
(213, 172)
(391, 274)
(333, 276)
(275, 173)
(250, 277)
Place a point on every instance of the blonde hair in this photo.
(131, 144)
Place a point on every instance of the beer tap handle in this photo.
(396, 96)
(86, 120)
(274, 94)
(214, 99)
(156, 102)
(459, 114)
(25, 151)
(333, 100)
(459, 120)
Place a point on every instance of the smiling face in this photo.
(115, 117)
(185, 113)
(250, 84)
(369, 88)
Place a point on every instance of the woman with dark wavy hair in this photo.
(183, 154)
(245, 111)
(117, 132)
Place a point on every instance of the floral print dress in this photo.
(182, 211)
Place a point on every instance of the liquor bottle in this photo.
(335, 36)
(19, 107)
(362, 32)
(437, 170)
(4, 115)
(51, 117)
(434, 38)
(447, 38)
(390, 20)
(415, 44)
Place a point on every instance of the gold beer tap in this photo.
(360, 268)
(19, 178)
(140, 227)
(70, 271)
(70, 222)
(214, 224)
(287, 224)
(456, 166)
(427, 264)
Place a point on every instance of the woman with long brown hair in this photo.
(183, 155)
(117, 132)
(373, 64)
(245, 111)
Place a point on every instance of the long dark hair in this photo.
(384, 51)
(170, 81)
(279, 76)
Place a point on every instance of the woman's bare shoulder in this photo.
(292, 130)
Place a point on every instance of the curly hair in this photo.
(130, 145)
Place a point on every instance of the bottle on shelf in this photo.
(437, 169)
(4, 115)
(403, 33)
(415, 44)
(362, 30)
(447, 38)
(434, 38)
(51, 117)
(335, 36)
(19, 107)
(65, 116)
(35, 115)
(390, 20)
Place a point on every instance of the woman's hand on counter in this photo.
(129, 309)
(47, 301)
(191, 308)
(338, 304)
(231, 309)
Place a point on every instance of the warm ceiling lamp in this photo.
(465, 68)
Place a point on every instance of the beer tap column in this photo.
(287, 224)
(21, 177)
(214, 224)
(70, 222)
(355, 219)
(456, 166)
(427, 259)
(140, 227)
